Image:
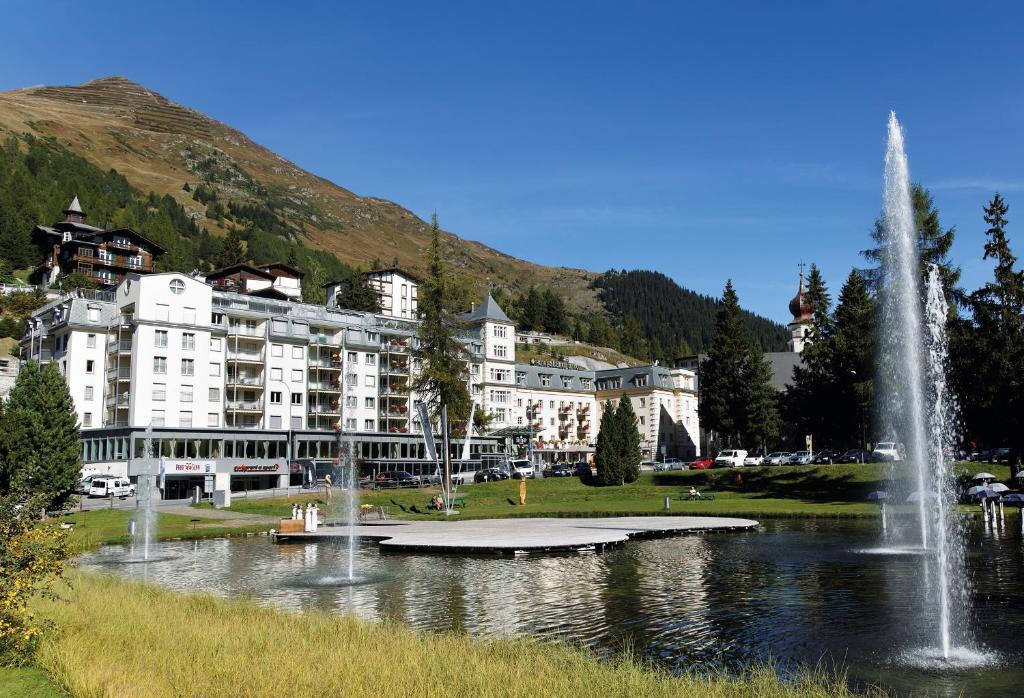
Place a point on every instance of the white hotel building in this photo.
(230, 376)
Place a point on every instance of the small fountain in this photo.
(916, 411)
(144, 536)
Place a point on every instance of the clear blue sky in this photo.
(705, 141)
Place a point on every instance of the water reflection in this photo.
(795, 592)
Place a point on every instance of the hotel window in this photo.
(215, 370)
(641, 421)
(185, 420)
(520, 378)
(90, 341)
(212, 419)
(551, 404)
(188, 367)
(88, 392)
(188, 316)
(276, 374)
(214, 343)
(89, 365)
(177, 286)
(186, 393)
(296, 375)
(643, 402)
(352, 401)
(499, 351)
(566, 381)
(545, 380)
(499, 330)
(160, 365)
(87, 419)
(159, 392)
(371, 359)
(277, 350)
(351, 379)
(163, 312)
(552, 421)
(160, 338)
(275, 422)
(586, 383)
(500, 415)
(298, 353)
(188, 341)
(94, 314)
(499, 375)
(157, 418)
(371, 337)
(296, 398)
(370, 382)
(369, 403)
(214, 395)
(368, 425)
(353, 358)
(275, 397)
(350, 423)
(499, 396)
(474, 368)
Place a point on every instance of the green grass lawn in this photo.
(27, 682)
(104, 526)
(761, 492)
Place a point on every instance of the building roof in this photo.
(799, 306)
(782, 363)
(394, 270)
(489, 310)
(242, 268)
(74, 207)
(297, 273)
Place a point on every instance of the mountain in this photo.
(139, 159)
(160, 146)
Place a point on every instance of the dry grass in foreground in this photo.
(116, 638)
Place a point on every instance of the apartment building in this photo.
(196, 378)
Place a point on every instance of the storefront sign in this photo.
(260, 468)
(186, 467)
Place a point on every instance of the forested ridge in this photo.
(677, 319)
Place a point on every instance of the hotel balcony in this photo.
(325, 340)
(325, 386)
(121, 400)
(244, 381)
(245, 357)
(244, 331)
(395, 346)
(324, 364)
(123, 346)
(113, 261)
(329, 408)
(395, 369)
(119, 374)
(244, 405)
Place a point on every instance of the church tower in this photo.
(803, 318)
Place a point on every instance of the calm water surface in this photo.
(797, 593)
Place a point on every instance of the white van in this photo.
(886, 451)
(111, 487)
(520, 469)
(730, 459)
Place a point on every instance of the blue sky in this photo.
(703, 140)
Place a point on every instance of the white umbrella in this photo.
(999, 487)
(984, 476)
(1020, 474)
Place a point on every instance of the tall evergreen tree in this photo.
(632, 341)
(231, 251)
(555, 319)
(722, 406)
(41, 443)
(607, 453)
(355, 293)
(628, 440)
(533, 310)
(440, 380)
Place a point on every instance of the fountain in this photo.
(916, 411)
(350, 474)
(143, 537)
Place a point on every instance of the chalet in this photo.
(277, 280)
(104, 256)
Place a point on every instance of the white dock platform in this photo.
(504, 536)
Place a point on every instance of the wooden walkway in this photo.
(522, 535)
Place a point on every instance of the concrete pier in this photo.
(509, 536)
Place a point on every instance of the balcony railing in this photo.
(244, 331)
(250, 356)
(117, 346)
(121, 400)
(119, 373)
(329, 386)
(244, 380)
(244, 405)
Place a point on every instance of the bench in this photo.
(702, 497)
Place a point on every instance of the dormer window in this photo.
(177, 286)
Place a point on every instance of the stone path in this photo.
(524, 535)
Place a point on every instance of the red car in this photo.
(702, 463)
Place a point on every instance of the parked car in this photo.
(856, 455)
(1001, 455)
(776, 458)
(520, 469)
(753, 459)
(827, 457)
(490, 475)
(730, 459)
(111, 487)
(558, 470)
(886, 451)
(702, 463)
(397, 478)
(584, 470)
(799, 458)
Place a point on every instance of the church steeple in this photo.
(74, 213)
(803, 317)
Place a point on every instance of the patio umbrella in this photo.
(878, 496)
(915, 496)
(977, 490)
(1020, 474)
(979, 493)
(984, 476)
(1016, 500)
(998, 487)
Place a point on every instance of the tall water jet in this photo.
(914, 406)
(146, 492)
(351, 476)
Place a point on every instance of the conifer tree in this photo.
(628, 440)
(721, 407)
(231, 251)
(607, 452)
(41, 443)
(632, 340)
(440, 380)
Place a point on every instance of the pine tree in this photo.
(607, 453)
(628, 440)
(231, 251)
(722, 407)
(440, 380)
(532, 310)
(41, 441)
(555, 320)
(355, 293)
(632, 339)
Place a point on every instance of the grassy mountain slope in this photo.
(159, 146)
